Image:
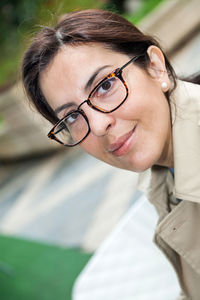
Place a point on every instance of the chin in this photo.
(138, 168)
(141, 164)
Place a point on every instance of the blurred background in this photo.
(57, 205)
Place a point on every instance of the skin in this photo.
(146, 109)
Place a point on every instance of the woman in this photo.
(110, 89)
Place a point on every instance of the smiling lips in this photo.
(123, 144)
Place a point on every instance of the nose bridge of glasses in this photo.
(94, 108)
(79, 107)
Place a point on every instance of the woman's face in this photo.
(135, 136)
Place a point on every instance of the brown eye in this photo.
(104, 87)
(72, 118)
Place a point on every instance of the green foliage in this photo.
(13, 16)
(117, 6)
(18, 18)
(146, 7)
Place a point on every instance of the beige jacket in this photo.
(178, 230)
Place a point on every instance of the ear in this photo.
(157, 68)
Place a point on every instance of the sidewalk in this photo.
(65, 200)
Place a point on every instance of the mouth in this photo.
(123, 144)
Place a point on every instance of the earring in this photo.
(164, 86)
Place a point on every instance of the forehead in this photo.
(68, 72)
(80, 57)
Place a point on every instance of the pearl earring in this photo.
(164, 86)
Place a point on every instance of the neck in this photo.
(167, 157)
(169, 163)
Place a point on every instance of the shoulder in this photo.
(185, 101)
(186, 92)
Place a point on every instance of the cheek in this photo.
(92, 146)
(146, 106)
(144, 95)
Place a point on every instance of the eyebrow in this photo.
(64, 106)
(87, 86)
(94, 75)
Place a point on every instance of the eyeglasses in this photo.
(109, 94)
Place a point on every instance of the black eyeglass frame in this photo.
(116, 73)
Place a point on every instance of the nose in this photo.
(100, 123)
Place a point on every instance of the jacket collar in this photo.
(185, 109)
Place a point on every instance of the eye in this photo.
(72, 118)
(105, 87)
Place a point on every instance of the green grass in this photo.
(34, 271)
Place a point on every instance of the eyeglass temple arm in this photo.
(130, 61)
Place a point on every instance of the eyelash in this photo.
(97, 82)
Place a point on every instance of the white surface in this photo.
(128, 265)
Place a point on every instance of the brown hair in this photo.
(87, 26)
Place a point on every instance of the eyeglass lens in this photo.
(107, 96)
